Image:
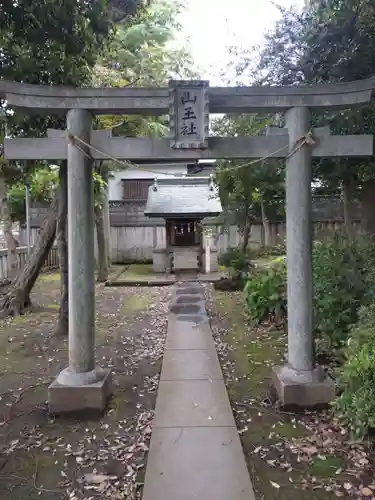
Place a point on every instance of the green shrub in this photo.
(239, 265)
(276, 250)
(278, 261)
(265, 293)
(356, 404)
(342, 280)
(237, 259)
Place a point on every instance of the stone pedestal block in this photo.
(304, 389)
(159, 261)
(67, 398)
(213, 263)
(185, 258)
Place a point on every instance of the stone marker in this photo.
(188, 114)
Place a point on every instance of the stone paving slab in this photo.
(193, 403)
(132, 282)
(189, 364)
(195, 451)
(188, 336)
(188, 289)
(196, 463)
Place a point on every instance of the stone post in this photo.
(299, 243)
(80, 386)
(208, 253)
(300, 382)
(81, 247)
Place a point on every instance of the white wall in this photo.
(114, 184)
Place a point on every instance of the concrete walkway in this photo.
(195, 451)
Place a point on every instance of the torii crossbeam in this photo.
(55, 147)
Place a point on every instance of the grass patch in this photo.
(138, 301)
(51, 277)
(19, 320)
(138, 271)
(116, 271)
(326, 467)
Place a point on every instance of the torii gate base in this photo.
(310, 389)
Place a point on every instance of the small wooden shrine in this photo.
(183, 203)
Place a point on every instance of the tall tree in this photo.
(141, 53)
(330, 41)
(49, 43)
(145, 52)
(248, 190)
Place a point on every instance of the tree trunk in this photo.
(62, 249)
(103, 267)
(246, 235)
(266, 224)
(348, 190)
(368, 207)
(18, 297)
(11, 242)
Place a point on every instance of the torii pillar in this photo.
(80, 386)
(300, 382)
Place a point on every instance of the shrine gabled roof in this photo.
(184, 196)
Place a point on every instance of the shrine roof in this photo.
(185, 196)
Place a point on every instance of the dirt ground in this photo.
(309, 456)
(97, 457)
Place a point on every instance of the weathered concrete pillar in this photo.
(81, 247)
(299, 243)
(208, 252)
(80, 386)
(107, 223)
(300, 382)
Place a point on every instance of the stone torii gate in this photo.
(82, 385)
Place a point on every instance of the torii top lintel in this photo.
(155, 101)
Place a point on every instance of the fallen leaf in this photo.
(275, 485)
(366, 492)
(310, 450)
(97, 478)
